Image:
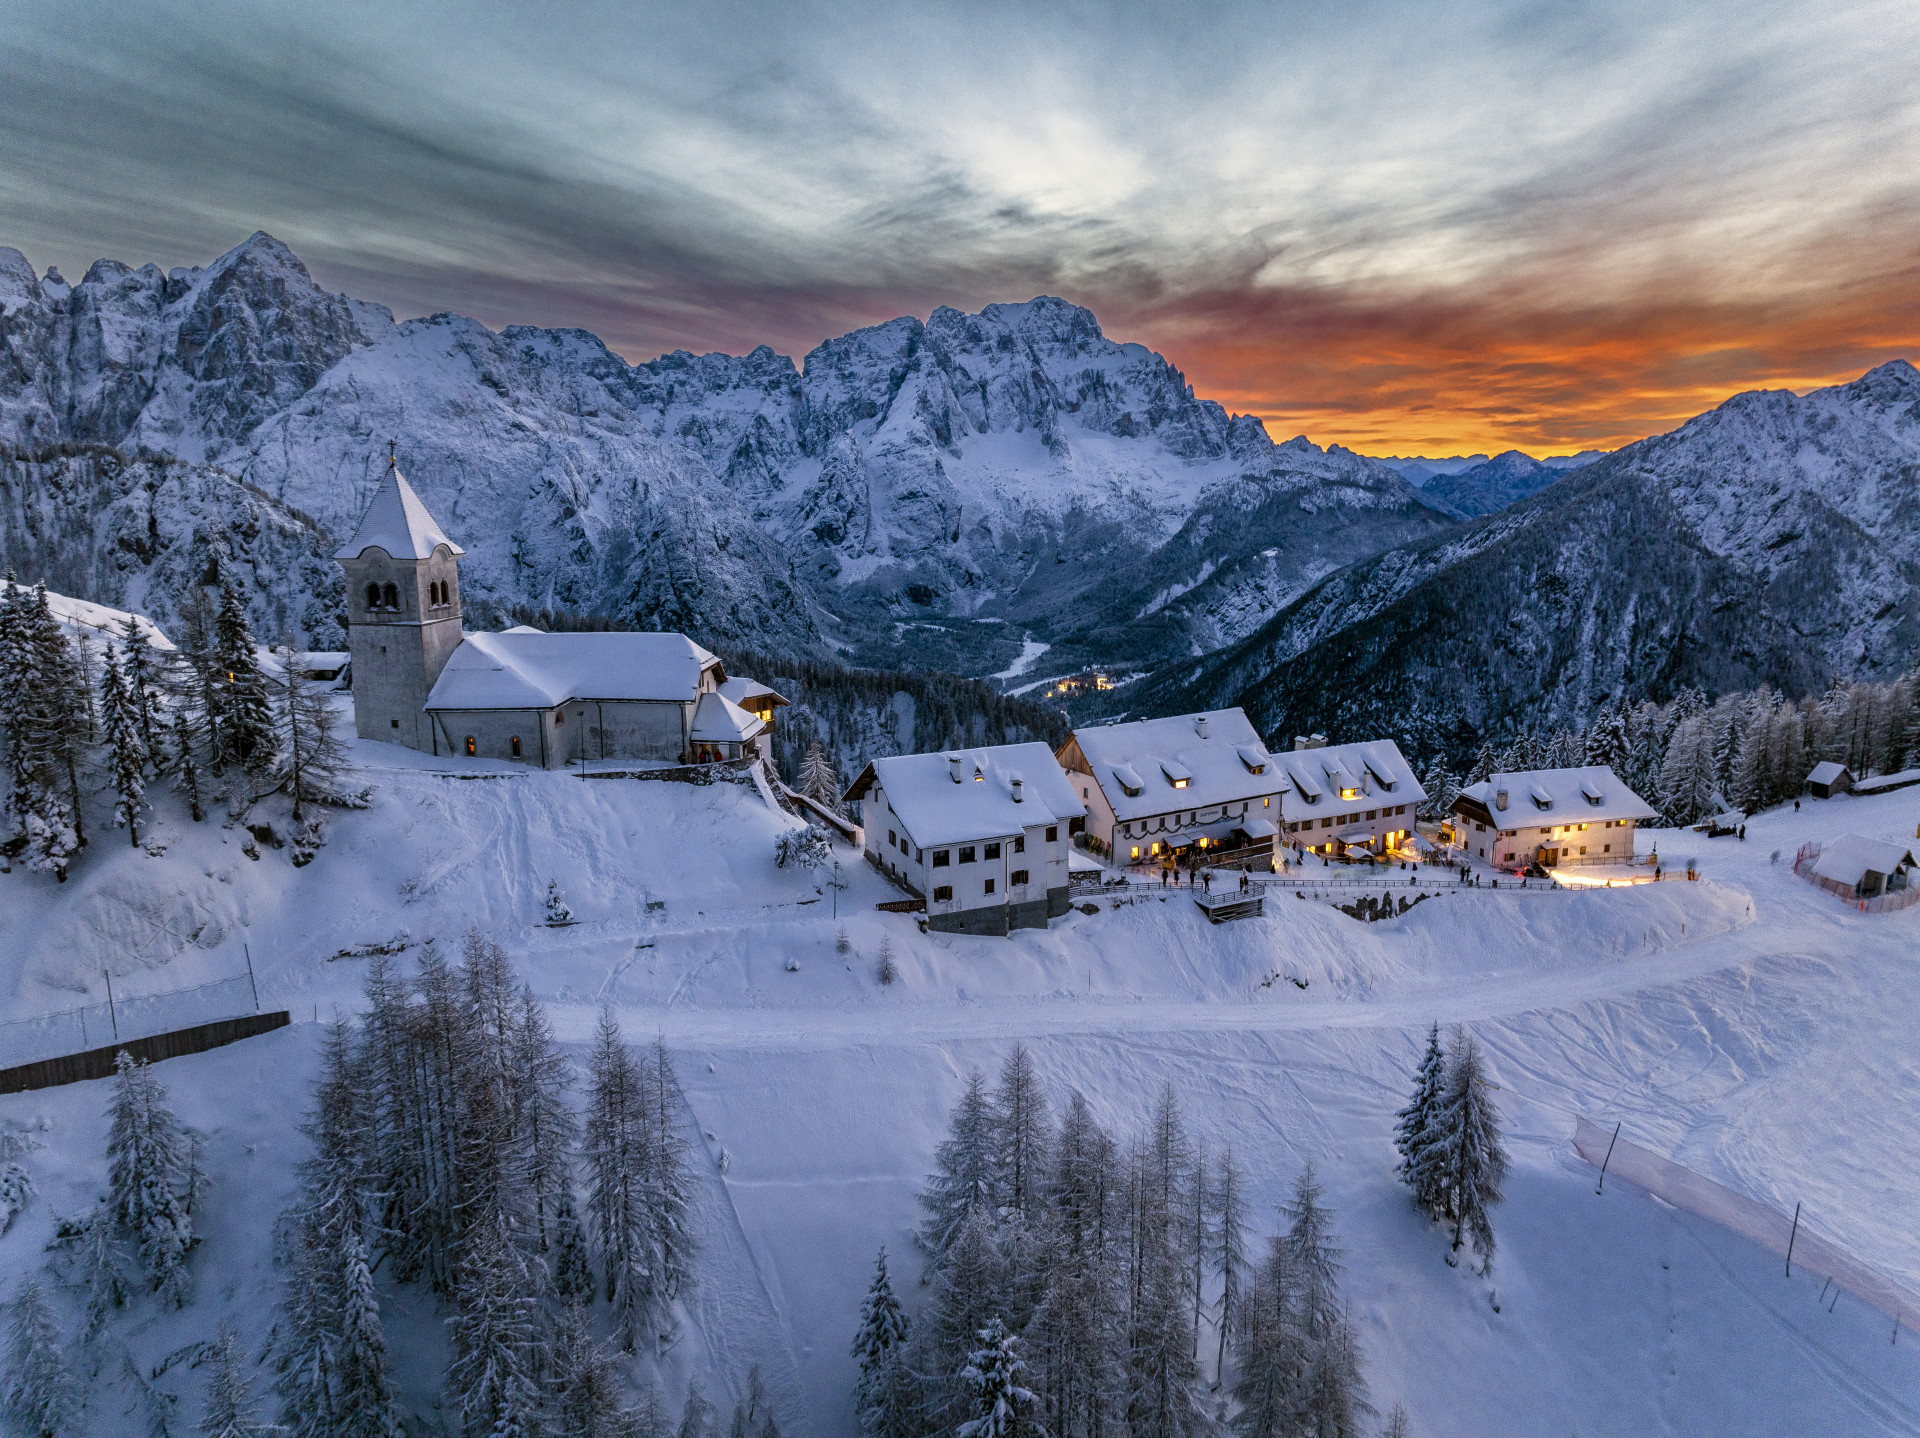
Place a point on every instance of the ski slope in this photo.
(1749, 1025)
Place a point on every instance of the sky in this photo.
(1408, 228)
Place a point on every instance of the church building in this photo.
(421, 680)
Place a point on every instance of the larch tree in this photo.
(613, 1153)
(312, 764)
(819, 780)
(229, 1406)
(186, 765)
(1229, 1252)
(492, 1381)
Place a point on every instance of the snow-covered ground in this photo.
(1749, 1025)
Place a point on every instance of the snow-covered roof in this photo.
(97, 621)
(741, 689)
(1825, 772)
(1851, 857)
(397, 522)
(1155, 766)
(1372, 772)
(962, 794)
(718, 720)
(1589, 794)
(525, 669)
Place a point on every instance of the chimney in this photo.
(1500, 800)
(1019, 792)
(953, 768)
(1200, 725)
(1316, 741)
(1300, 741)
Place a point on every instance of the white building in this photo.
(1548, 817)
(1199, 783)
(1345, 797)
(981, 834)
(421, 680)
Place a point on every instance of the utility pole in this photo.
(111, 1014)
(248, 951)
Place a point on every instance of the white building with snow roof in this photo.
(421, 680)
(982, 835)
(1343, 797)
(1200, 784)
(1549, 817)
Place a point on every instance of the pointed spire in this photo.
(396, 521)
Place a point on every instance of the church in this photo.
(551, 700)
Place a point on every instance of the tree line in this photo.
(1082, 1287)
(1692, 757)
(80, 720)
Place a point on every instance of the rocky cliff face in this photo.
(912, 493)
(1774, 539)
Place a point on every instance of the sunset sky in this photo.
(1407, 228)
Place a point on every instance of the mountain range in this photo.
(1007, 493)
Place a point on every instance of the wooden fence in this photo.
(98, 1063)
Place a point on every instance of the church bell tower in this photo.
(403, 612)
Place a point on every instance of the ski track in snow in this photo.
(1769, 1047)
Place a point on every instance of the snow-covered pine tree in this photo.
(1312, 1260)
(885, 969)
(1416, 1131)
(879, 1347)
(1471, 1153)
(365, 1399)
(557, 910)
(819, 780)
(187, 766)
(245, 735)
(572, 1268)
(1023, 1139)
(969, 1290)
(57, 714)
(491, 1380)
(1441, 786)
(142, 675)
(38, 1395)
(126, 748)
(1003, 1406)
(964, 1183)
(1229, 1251)
(696, 1415)
(229, 1407)
(668, 1179)
(1687, 775)
(149, 1185)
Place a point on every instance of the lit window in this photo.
(1267, 802)
(1179, 783)
(470, 744)
(515, 741)
(1136, 851)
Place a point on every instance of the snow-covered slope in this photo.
(1750, 1025)
(1000, 465)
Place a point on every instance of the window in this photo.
(893, 840)
(919, 856)
(394, 722)
(940, 858)
(1326, 823)
(989, 886)
(1179, 783)
(1136, 851)
(515, 741)
(1053, 833)
(943, 894)
(1267, 803)
(559, 716)
(1019, 843)
(391, 594)
(1019, 876)
(1606, 848)
(966, 853)
(993, 852)
(1370, 814)
(373, 596)
(470, 745)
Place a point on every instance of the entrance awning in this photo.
(1259, 828)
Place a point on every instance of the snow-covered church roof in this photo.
(961, 794)
(397, 522)
(526, 669)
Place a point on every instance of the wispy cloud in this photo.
(1388, 224)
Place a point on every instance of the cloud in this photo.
(1462, 226)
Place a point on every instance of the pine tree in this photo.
(883, 1322)
(818, 779)
(312, 762)
(965, 1182)
(886, 1400)
(585, 1383)
(1002, 1404)
(1229, 1251)
(189, 768)
(245, 736)
(538, 1077)
(142, 675)
(38, 1395)
(572, 1269)
(149, 1189)
(229, 1410)
(126, 748)
(557, 910)
(1417, 1128)
(969, 1290)
(1470, 1151)
(696, 1415)
(668, 1187)
(365, 1395)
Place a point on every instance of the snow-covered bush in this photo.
(807, 848)
(557, 911)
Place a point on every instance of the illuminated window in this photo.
(1267, 802)
(1179, 783)
(515, 741)
(1136, 851)
(470, 744)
